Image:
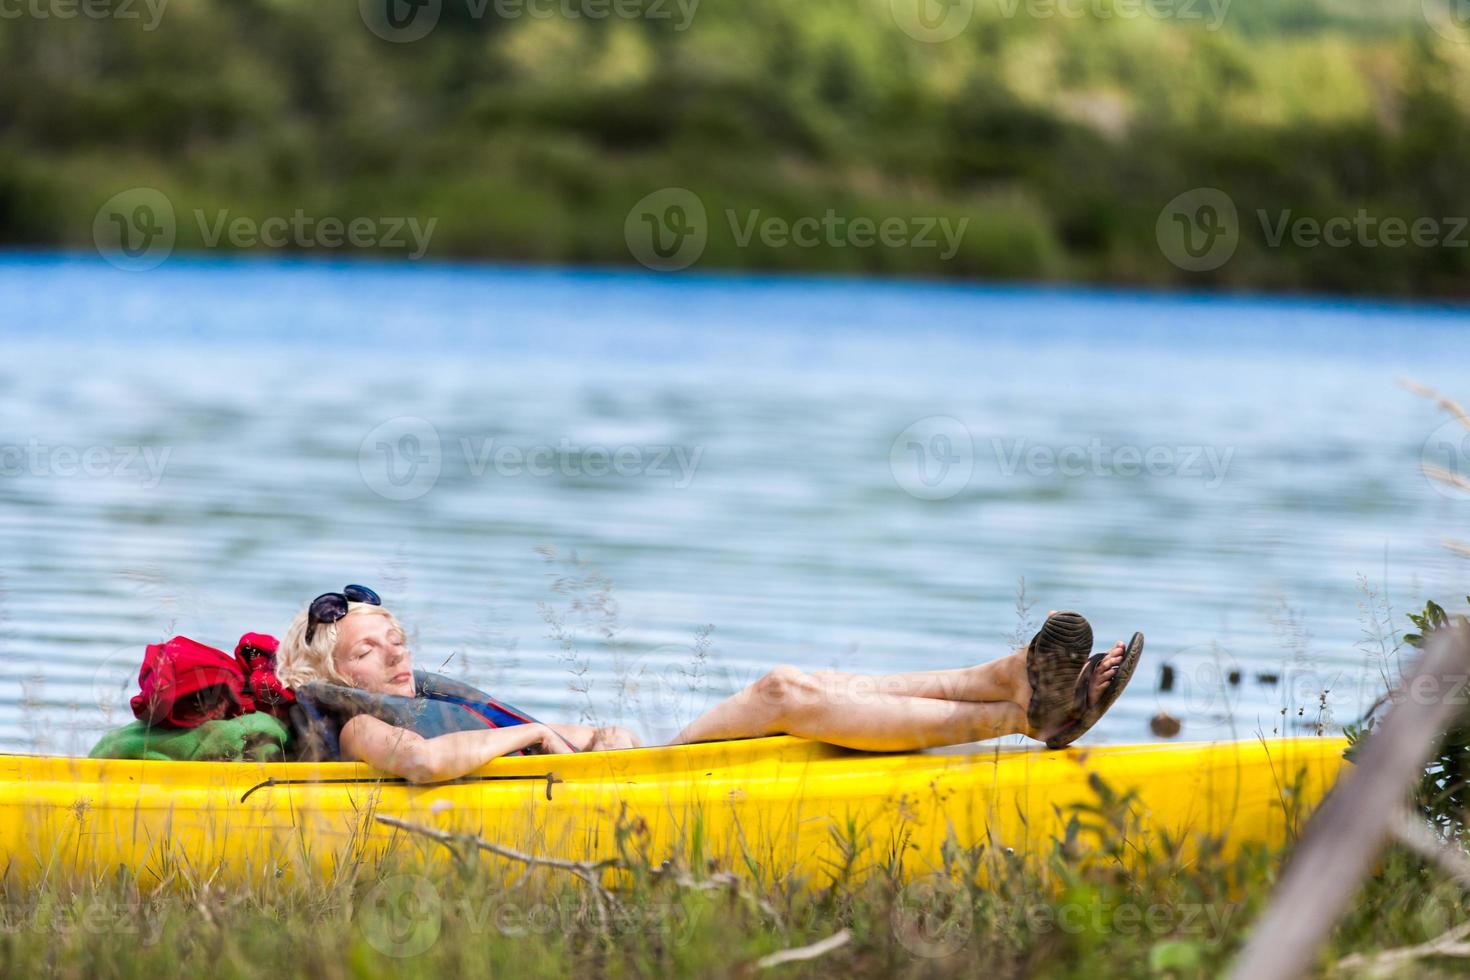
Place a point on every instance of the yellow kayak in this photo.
(784, 808)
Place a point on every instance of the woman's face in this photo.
(371, 655)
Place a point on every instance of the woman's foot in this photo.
(1051, 664)
(1098, 703)
(1102, 676)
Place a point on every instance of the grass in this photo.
(1138, 905)
(1151, 912)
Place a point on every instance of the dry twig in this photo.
(589, 871)
(1443, 401)
(835, 941)
(1446, 944)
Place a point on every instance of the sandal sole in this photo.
(1110, 695)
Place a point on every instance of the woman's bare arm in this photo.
(430, 760)
(585, 738)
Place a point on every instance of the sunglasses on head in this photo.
(332, 606)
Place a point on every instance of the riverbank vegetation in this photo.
(1058, 131)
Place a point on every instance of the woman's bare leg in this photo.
(855, 711)
(998, 680)
(1003, 679)
(788, 701)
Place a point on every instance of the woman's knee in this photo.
(786, 686)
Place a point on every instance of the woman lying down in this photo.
(358, 698)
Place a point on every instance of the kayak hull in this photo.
(780, 808)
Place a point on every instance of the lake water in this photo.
(829, 472)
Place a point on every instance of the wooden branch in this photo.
(448, 840)
(588, 871)
(1350, 828)
(796, 954)
(1445, 944)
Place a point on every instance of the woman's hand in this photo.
(613, 737)
(548, 742)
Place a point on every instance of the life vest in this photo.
(442, 705)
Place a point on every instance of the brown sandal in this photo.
(1091, 713)
(1055, 658)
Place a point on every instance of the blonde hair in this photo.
(299, 662)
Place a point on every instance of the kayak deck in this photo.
(781, 806)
